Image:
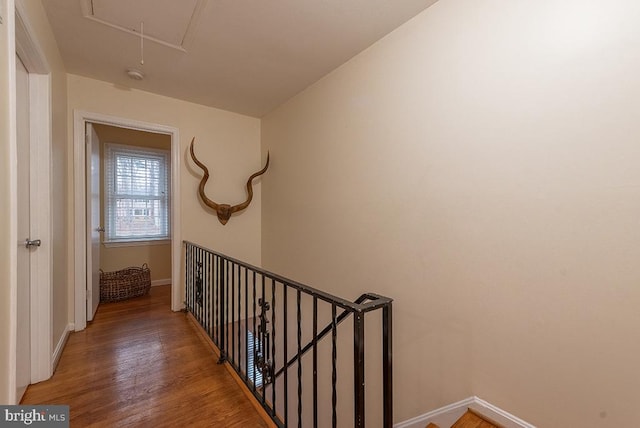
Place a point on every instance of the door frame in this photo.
(40, 141)
(80, 118)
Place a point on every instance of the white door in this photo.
(93, 221)
(23, 348)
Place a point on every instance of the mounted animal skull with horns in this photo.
(224, 211)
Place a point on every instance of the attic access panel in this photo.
(167, 22)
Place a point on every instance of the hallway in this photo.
(139, 364)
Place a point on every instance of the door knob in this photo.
(100, 229)
(32, 243)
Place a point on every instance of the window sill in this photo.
(135, 243)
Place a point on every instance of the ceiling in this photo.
(245, 56)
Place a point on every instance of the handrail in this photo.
(345, 304)
(245, 311)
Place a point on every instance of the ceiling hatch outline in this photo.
(88, 9)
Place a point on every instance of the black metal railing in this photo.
(284, 341)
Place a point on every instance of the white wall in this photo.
(480, 166)
(228, 143)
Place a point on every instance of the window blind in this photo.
(253, 345)
(137, 193)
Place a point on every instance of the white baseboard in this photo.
(446, 416)
(57, 353)
(157, 282)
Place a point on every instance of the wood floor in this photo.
(470, 420)
(139, 365)
(473, 420)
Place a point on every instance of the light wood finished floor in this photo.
(473, 420)
(140, 365)
(470, 420)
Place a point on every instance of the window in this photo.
(253, 345)
(136, 185)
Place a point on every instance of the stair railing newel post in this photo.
(358, 368)
(387, 365)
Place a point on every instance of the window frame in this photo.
(111, 151)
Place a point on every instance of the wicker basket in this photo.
(124, 284)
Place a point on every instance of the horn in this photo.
(206, 200)
(246, 203)
(224, 211)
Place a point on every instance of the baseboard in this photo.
(57, 353)
(446, 416)
(157, 282)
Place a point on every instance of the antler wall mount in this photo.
(224, 211)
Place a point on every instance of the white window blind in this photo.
(137, 193)
(253, 344)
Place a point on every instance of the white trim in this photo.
(446, 416)
(79, 120)
(13, 204)
(156, 282)
(27, 47)
(142, 243)
(57, 353)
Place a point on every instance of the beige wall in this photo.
(156, 256)
(480, 166)
(5, 226)
(228, 143)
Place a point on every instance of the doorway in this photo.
(84, 277)
(30, 149)
(128, 206)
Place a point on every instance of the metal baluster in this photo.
(198, 284)
(216, 300)
(216, 307)
(239, 320)
(211, 296)
(254, 332)
(246, 322)
(299, 319)
(334, 372)
(315, 362)
(233, 314)
(206, 277)
(225, 324)
(273, 345)
(264, 345)
(285, 335)
(358, 368)
(186, 277)
(221, 310)
(387, 364)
